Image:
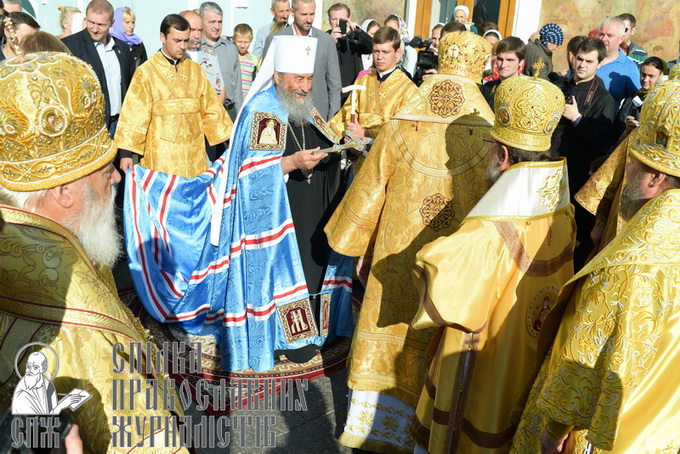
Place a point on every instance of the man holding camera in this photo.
(378, 95)
(351, 42)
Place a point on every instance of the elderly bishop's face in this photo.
(94, 219)
(295, 94)
(298, 84)
(636, 192)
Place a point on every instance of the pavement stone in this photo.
(314, 430)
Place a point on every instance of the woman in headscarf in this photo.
(77, 22)
(66, 14)
(461, 13)
(370, 26)
(410, 57)
(124, 29)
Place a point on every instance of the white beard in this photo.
(96, 228)
(299, 109)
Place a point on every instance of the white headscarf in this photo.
(77, 22)
(364, 25)
(495, 32)
(464, 8)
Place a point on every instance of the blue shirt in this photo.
(260, 38)
(107, 54)
(621, 77)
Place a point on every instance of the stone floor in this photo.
(314, 429)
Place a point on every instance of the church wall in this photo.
(658, 22)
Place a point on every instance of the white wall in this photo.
(527, 18)
(150, 13)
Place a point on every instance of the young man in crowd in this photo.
(586, 130)
(509, 61)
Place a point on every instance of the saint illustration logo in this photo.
(35, 394)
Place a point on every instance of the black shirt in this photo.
(594, 133)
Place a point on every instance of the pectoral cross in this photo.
(308, 50)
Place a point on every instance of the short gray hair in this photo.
(274, 2)
(294, 3)
(209, 7)
(614, 21)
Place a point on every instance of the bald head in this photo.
(196, 27)
(12, 6)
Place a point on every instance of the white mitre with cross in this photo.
(286, 54)
(294, 54)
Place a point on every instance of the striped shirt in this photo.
(248, 64)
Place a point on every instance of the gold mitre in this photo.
(463, 54)
(674, 73)
(52, 128)
(527, 112)
(657, 142)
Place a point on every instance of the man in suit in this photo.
(326, 82)
(109, 57)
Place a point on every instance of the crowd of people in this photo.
(512, 230)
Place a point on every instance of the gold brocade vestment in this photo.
(422, 176)
(51, 293)
(377, 104)
(490, 286)
(612, 374)
(166, 112)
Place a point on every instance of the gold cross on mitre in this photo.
(537, 67)
(308, 49)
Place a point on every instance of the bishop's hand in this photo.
(302, 160)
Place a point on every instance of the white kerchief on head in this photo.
(464, 8)
(77, 22)
(295, 54)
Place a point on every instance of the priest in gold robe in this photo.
(59, 241)
(610, 383)
(423, 174)
(490, 286)
(169, 108)
(386, 89)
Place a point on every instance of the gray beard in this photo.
(299, 109)
(632, 198)
(492, 173)
(96, 228)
